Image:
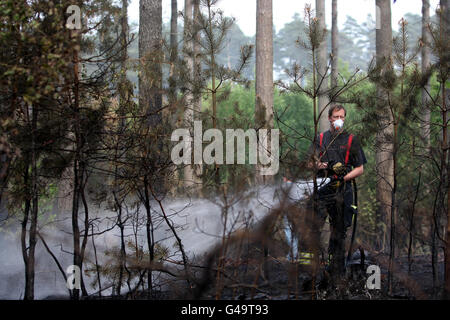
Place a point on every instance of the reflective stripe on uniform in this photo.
(305, 257)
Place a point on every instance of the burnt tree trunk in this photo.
(23, 235)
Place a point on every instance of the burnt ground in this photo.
(279, 279)
(252, 278)
(253, 264)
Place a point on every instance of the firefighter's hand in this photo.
(336, 181)
(340, 169)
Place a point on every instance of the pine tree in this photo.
(384, 144)
(264, 72)
(322, 69)
(334, 45)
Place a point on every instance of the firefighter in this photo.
(338, 156)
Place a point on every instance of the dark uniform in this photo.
(333, 150)
(337, 202)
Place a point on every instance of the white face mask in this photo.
(338, 124)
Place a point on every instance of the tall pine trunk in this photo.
(334, 44)
(197, 103)
(33, 209)
(150, 44)
(425, 57)
(173, 50)
(150, 99)
(150, 85)
(77, 179)
(23, 235)
(384, 143)
(123, 100)
(321, 62)
(444, 31)
(176, 112)
(425, 64)
(264, 73)
(189, 179)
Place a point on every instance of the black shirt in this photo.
(334, 149)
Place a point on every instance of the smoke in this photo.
(200, 223)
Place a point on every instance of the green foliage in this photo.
(293, 116)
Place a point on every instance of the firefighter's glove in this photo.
(339, 169)
(336, 181)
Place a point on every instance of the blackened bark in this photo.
(86, 232)
(75, 226)
(122, 257)
(149, 233)
(23, 235)
(32, 239)
(76, 163)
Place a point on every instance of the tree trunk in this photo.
(445, 29)
(123, 100)
(76, 163)
(150, 41)
(175, 112)
(425, 55)
(26, 214)
(384, 137)
(86, 229)
(334, 44)
(30, 213)
(29, 295)
(75, 226)
(197, 103)
(123, 254)
(173, 50)
(124, 39)
(150, 238)
(189, 179)
(5, 161)
(321, 62)
(123, 93)
(264, 73)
